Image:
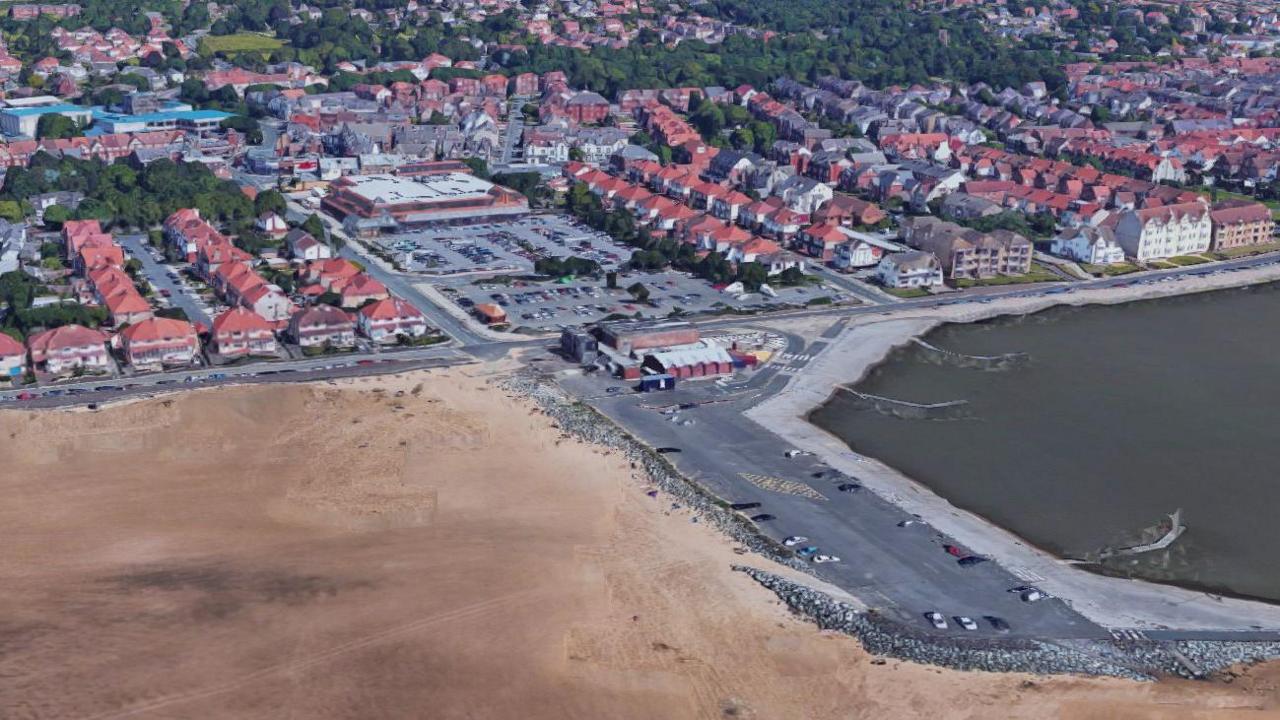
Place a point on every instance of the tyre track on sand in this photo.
(420, 624)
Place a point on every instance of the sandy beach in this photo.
(1108, 601)
(422, 546)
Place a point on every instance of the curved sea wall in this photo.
(1109, 601)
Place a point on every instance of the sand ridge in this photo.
(420, 546)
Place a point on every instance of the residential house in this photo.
(69, 348)
(239, 332)
(1088, 244)
(159, 342)
(321, 326)
(304, 246)
(13, 357)
(386, 320)
(912, 269)
(861, 250)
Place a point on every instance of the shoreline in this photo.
(1107, 600)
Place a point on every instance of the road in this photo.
(515, 127)
(100, 390)
(157, 275)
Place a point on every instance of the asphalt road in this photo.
(99, 390)
(136, 246)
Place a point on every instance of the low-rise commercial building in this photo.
(630, 336)
(373, 203)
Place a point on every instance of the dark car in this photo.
(745, 506)
(848, 487)
(762, 517)
(971, 560)
(998, 624)
(665, 450)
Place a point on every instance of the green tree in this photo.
(638, 291)
(55, 216)
(315, 226)
(56, 127)
(270, 201)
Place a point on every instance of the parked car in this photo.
(825, 559)
(953, 550)
(936, 619)
(745, 506)
(966, 623)
(1032, 595)
(848, 487)
(997, 624)
(794, 540)
(971, 560)
(665, 450)
(762, 517)
(805, 552)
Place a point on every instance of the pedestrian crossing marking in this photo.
(1025, 574)
(1124, 634)
(779, 485)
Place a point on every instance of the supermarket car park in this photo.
(550, 304)
(511, 246)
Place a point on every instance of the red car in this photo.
(954, 550)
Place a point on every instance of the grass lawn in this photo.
(1185, 260)
(1039, 273)
(238, 43)
(1160, 265)
(1110, 270)
(914, 292)
(1245, 251)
